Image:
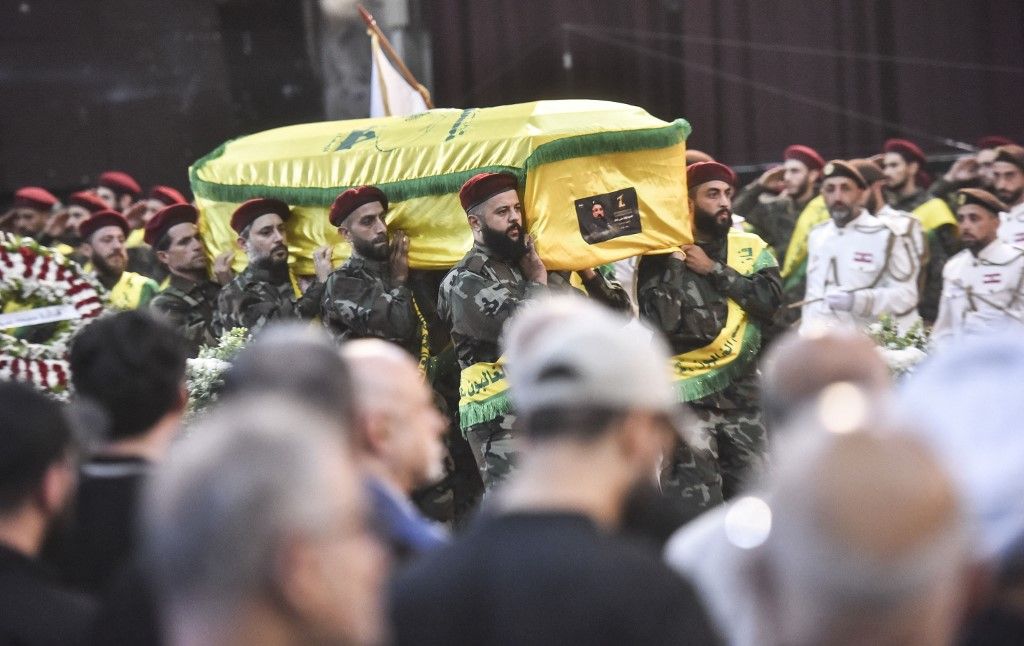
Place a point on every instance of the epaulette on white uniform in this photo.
(868, 258)
(981, 293)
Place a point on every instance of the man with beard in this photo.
(37, 480)
(476, 298)
(903, 164)
(858, 268)
(266, 291)
(713, 300)
(31, 211)
(982, 284)
(1008, 182)
(189, 300)
(775, 220)
(368, 295)
(103, 236)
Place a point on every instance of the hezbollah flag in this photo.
(600, 181)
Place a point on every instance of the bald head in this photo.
(398, 435)
(866, 543)
(797, 368)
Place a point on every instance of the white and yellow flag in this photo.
(390, 94)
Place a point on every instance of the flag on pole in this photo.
(390, 94)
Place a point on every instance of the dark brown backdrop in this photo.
(931, 70)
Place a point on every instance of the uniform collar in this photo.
(382, 267)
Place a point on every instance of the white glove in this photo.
(839, 300)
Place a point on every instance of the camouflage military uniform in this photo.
(943, 244)
(189, 307)
(362, 300)
(774, 220)
(257, 296)
(475, 299)
(601, 288)
(691, 310)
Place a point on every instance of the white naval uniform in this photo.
(868, 258)
(980, 294)
(1011, 226)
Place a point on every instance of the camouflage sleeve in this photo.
(254, 308)
(748, 203)
(608, 292)
(308, 305)
(177, 313)
(367, 309)
(759, 294)
(478, 306)
(660, 297)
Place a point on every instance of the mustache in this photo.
(514, 227)
(280, 247)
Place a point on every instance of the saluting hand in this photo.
(400, 257)
(134, 215)
(531, 264)
(696, 260)
(222, 271)
(771, 179)
(322, 262)
(57, 223)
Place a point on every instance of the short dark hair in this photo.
(584, 424)
(34, 434)
(132, 365)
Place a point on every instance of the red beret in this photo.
(33, 197)
(248, 211)
(166, 195)
(352, 199)
(97, 221)
(483, 186)
(120, 182)
(806, 155)
(88, 201)
(701, 172)
(167, 217)
(993, 141)
(908, 150)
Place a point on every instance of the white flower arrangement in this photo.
(34, 276)
(204, 375)
(901, 351)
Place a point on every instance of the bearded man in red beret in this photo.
(728, 281)
(368, 296)
(103, 236)
(476, 298)
(266, 291)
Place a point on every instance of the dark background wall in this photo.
(751, 75)
(148, 86)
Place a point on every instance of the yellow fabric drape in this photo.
(562, 151)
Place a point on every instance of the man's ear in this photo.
(345, 232)
(813, 175)
(474, 221)
(241, 242)
(56, 486)
(87, 249)
(162, 257)
(913, 168)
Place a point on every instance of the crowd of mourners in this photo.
(694, 446)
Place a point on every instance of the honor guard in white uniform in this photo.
(858, 267)
(981, 287)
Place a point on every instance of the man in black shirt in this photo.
(133, 368)
(543, 566)
(36, 481)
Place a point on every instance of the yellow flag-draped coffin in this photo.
(600, 181)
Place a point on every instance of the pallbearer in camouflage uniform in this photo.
(189, 299)
(266, 290)
(368, 296)
(711, 300)
(476, 298)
